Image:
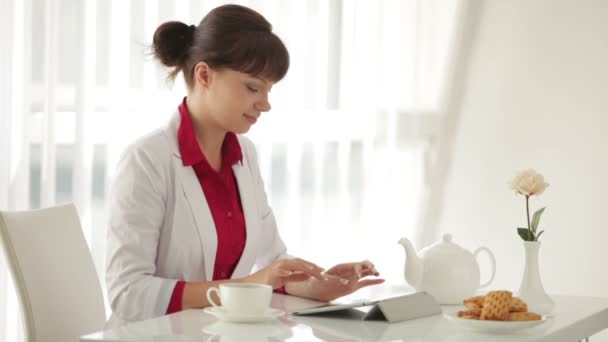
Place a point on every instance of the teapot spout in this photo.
(413, 264)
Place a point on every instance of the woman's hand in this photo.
(353, 270)
(342, 279)
(284, 271)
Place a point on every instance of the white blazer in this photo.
(161, 229)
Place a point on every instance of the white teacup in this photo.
(242, 298)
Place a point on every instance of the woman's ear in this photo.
(202, 74)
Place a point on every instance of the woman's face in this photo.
(236, 100)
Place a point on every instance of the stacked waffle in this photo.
(497, 306)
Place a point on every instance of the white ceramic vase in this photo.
(531, 289)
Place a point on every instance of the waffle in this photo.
(469, 314)
(497, 306)
(474, 303)
(518, 305)
(523, 316)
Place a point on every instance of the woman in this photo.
(188, 207)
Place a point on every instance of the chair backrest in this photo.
(53, 272)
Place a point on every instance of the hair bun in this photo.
(172, 41)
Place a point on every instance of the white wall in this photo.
(535, 96)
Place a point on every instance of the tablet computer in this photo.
(334, 307)
(395, 309)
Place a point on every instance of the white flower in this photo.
(529, 182)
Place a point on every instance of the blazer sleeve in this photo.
(137, 209)
(273, 247)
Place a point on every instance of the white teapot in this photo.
(445, 270)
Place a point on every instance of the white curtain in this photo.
(344, 151)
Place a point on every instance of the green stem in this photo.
(528, 213)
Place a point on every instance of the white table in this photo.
(574, 319)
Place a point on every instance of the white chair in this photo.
(54, 273)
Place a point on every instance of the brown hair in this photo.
(230, 36)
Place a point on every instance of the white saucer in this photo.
(224, 315)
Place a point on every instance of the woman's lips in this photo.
(251, 119)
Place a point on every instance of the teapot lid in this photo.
(445, 245)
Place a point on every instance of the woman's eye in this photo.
(252, 89)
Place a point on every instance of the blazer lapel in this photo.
(252, 221)
(202, 217)
(196, 199)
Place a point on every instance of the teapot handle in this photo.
(492, 260)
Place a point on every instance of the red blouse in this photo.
(222, 195)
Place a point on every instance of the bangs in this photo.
(259, 54)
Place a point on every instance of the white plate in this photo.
(224, 315)
(492, 326)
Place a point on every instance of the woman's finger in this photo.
(282, 272)
(367, 272)
(368, 282)
(369, 266)
(299, 265)
(358, 269)
(340, 272)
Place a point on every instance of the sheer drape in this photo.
(343, 151)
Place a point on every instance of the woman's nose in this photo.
(263, 105)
